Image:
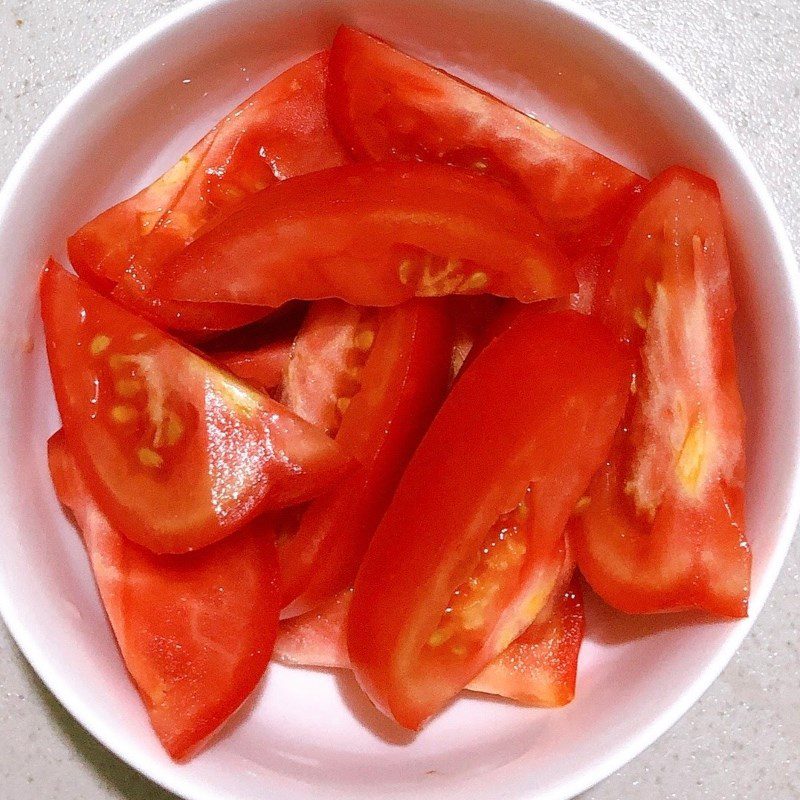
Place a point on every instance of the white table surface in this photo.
(742, 740)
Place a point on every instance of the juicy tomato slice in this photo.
(196, 631)
(262, 367)
(538, 668)
(280, 131)
(384, 408)
(373, 235)
(472, 544)
(177, 452)
(663, 527)
(387, 105)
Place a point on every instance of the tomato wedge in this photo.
(387, 105)
(373, 235)
(177, 452)
(383, 409)
(196, 631)
(663, 524)
(472, 543)
(538, 668)
(280, 131)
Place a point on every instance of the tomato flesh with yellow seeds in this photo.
(374, 380)
(664, 526)
(484, 521)
(178, 452)
(373, 235)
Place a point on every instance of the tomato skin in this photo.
(385, 104)
(280, 131)
(190, 685)
(539, 668)
(664, 526)
(402, 385)
(178, 453)
(368, 234)
(552, 390)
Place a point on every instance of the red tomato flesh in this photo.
(539, 668)
(395, 372)
(387, 105)
(177, 452)
(472, 543)
(262, 367)
(663, 527)
(280, 131)
(373, 235)
(196, 631)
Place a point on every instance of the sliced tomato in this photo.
(280, 131)
(373, 235)
(662, 528)
(538, 668)
(177, 452)
(472, 543)
(262, 367)
(196, 631)
(387, 105)
(470, 315)
(395, 377)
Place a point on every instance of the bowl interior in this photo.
(312, 734)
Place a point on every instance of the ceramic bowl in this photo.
(311, 734)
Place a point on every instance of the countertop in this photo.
(742, 740)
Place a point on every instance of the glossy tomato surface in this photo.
(196, 631)
(373, 235)
(387, 105)
(177, 452)
(397, 371)
(472, 544)
(280, 131)
(663, 525)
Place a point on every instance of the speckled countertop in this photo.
(742, 740)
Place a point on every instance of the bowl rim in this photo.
(181, 782)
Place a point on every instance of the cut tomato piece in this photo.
(177, 452)
(387, 105)
(280, 131)
(538, 668)
(471, 316)
(196, 631)
(373, 235)
(262, 367)
(472, 543)
(391, 381)
(663, 524)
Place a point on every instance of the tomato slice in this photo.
(280, 131)
(472, 543)
(395, 376)
(539, 668)
(196, 631)
(663, 524)
(262, 367)
(386, 105)
(177, 452)
(373, 235)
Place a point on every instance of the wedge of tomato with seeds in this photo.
(472, 544)
(662, 528)
(393, 370)
(373, 235)
(280, 131)
(387, 105)
(195, 631)
(538, 668)
(177, 452)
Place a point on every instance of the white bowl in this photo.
(310, 734)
